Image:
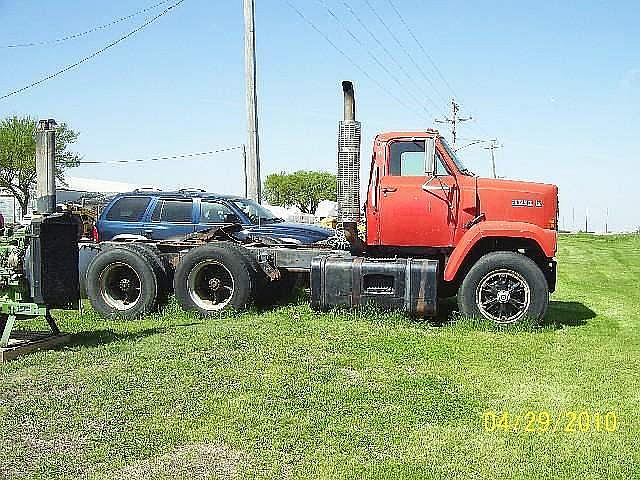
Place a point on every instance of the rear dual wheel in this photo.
(125, 282)
(211, 278)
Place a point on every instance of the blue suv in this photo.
(173, 215)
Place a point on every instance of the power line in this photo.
(389, 54)
(346, 56)
(94, 54)
(405, 50)
(371, 54)
(86, 32)
(155, 159)
(424, 50)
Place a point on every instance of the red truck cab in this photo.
(423, 201)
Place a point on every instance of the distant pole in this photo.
(493, 145)
(573, 218)
(45, 167)
(586, 221)
(252, 170)
(606, 221)
(454, 120)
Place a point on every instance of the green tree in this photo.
(18, 156)
(302, 189)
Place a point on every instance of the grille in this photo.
(349, 135)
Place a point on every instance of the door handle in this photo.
(386, 190)
(445, 188)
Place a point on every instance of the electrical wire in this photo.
(349, 59)
(86, 32)
(389, 54)
(405, 50)
(156, 159)
(424, 50)
(94, 54)
(372, 55)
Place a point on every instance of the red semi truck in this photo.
(433, 230)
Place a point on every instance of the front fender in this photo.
(546, 240)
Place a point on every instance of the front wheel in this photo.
(506, 288)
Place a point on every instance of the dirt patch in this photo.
(201, 461)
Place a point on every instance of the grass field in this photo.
(287, 393)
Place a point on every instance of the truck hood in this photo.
(511, 200)
(291, 232)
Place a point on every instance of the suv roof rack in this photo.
(148, 189)
(186, 190)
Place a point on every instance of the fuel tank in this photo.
(402, 283)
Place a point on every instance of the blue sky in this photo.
(558, 83)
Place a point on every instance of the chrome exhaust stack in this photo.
(45, 167)
(349, 138)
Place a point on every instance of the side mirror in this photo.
(430, 156)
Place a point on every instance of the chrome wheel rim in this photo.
(120, 286)
(210, 285)
(503, 296)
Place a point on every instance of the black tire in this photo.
(214, 277)
(163, 269)
(122, 283)
(506, 288)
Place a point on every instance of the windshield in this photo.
(461, 166)
(256, 212)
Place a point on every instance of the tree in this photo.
(18, 156)
(303, 189)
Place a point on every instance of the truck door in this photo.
(416, 209)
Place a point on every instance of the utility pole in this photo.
(252, 169)
(45, 167)
(493, 145)
(586, 221)
(454, 120)
(606, 220)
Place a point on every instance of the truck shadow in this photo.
(567, 314)
(560, 314)
(95, 338)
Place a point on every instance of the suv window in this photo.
(128, 209)
(216, 212)
(172, 211)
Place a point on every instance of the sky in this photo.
(557, 83)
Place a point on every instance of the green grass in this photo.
(288, 393)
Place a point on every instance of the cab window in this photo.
(441, 170)
(407, 158)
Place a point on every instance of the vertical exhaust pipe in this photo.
(45, 167)
(349, 137)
